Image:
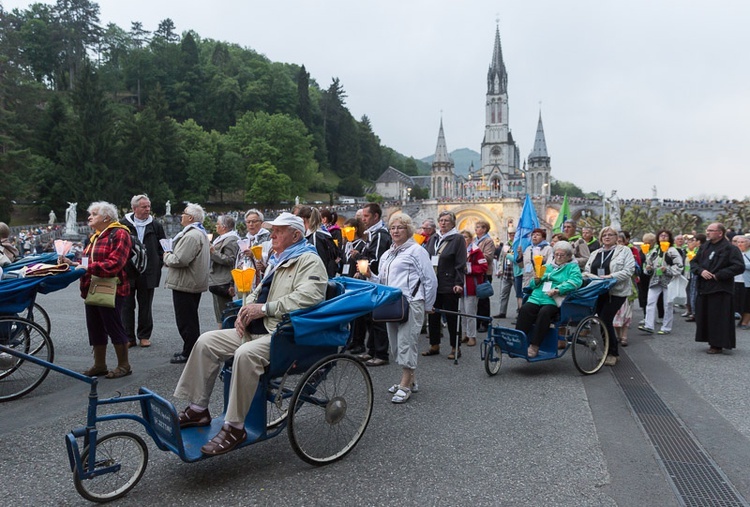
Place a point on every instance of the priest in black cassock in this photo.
(714, 267)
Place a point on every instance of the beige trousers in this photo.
(205, 363)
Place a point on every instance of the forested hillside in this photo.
(91, 112)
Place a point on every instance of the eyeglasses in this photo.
(398, 228)
(562, 254)
(252, 221)
(609, 234)
(712, 230)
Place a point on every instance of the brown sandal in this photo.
(432, 351)
(119, 372)
(95, 371)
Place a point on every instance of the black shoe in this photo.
(356, 351)
(179, 359)
(499, 316)
(481, 329)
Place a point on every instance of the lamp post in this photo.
(408, 194)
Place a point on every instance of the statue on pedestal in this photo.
(169, 208)
(614, 211)
(52, 217)
(70, 219)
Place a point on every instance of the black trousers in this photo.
(377, 339)
(538, 317)
(186, 315)
(144, 298)
(607, 307)
(483, 308)
(444, 302)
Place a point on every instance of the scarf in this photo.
(441, 237)
(479, 240)
(260, 232)
(186, 229)
(140, 225)
(95, 237)
(224, 236)
(369, 233)
(291, 252)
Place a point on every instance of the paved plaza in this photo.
(535, 434)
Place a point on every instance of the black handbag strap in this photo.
(416, 288)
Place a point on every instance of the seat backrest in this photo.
(333, 289)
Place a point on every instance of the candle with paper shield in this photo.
(664, 245)
(538, 265)
(243, 279)
(257, 251)
(645, 248)
(62, 247)
(362, 266)
(348, 233)
(419, 238)
(690, 255)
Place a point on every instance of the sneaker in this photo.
(179, 359)
(646, 329)
(664, 332)
(364, 356)
(355, 351)
(611, 360)
(376, 361)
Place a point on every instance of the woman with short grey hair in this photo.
(406, 266)
(104, 209)
(561, 277)
(223, 252)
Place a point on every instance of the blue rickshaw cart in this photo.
(323, 398)
(577, 327)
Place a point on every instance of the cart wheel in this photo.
(125, 449)
(332, 407)
(590, 345)
(18, 376)
(40, 316)
(278, 394)
(493, 358)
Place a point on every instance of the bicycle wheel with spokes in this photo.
(40, 316)
(122, 448)
(493, 359)
(332, 408)
(590, 345)
(279, 395)
(19, 376)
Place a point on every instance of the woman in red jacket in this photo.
(476, 271)
(106, 256)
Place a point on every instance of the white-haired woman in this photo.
(223, 252)
(106, 256)
(188, 277)
(561, 277)
(611, 261)
(406, 266)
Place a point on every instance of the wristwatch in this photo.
(263, 309)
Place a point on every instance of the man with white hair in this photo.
(187, 276)
(295, 278)
(142, 285)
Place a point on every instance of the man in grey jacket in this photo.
(188, 277)
(295, 278)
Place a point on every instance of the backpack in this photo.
(327, 251)
(138, 258)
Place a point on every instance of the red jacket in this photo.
(108, 253)
(476, 269)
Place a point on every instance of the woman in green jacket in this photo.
(561, 277)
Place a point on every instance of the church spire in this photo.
(540, 145)
(497, 77)
(441, 151)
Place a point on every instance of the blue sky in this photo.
(633, 94)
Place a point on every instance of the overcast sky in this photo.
(633, 94)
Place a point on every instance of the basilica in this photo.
(500, 173)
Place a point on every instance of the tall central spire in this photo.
(497, 77)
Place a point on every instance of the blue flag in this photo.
(527, 223)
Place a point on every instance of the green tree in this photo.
(79, 31)
(266, 185)
(736, 215)
(281, 141)
(565, 187)
(304, 107)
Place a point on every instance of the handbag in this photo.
(221, 290)
(102, 291)
(398, 311)
(485, 290)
